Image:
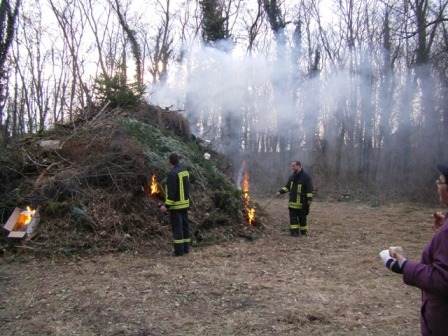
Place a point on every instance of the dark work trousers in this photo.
(297, 221)
(181, 231)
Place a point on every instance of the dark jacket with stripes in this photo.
(300, 188)
(177, 189)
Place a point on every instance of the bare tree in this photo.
(33, 77)
(352, 103)
(428, 19)
(386, 90)
(9, 12)
(92, 13)
(163, 48)
(276, 20)
(253, 24)
(132, 37)
(72, 27)
(37, 89)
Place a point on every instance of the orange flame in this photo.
(25, 217)
(245, 186)
(251, 215)
(250, 211)
(154, 187)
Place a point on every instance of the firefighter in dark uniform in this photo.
(300, 188)
(177, 201)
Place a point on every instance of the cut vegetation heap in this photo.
(91, 186)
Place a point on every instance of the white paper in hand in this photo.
(385, 256)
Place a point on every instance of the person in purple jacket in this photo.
(431, 273)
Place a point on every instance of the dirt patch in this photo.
(332, 283)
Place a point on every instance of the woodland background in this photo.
(356, 90)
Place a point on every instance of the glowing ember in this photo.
(154, 187)
(250, 211)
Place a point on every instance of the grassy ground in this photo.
(332, 283)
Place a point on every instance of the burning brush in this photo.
(155, 191)
(248, 210)
(154, 188)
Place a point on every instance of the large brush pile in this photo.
(91, 188)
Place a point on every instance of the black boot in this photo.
(304, 233)
(178, 250)
(295, 232)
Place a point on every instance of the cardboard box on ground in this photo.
(19, 227)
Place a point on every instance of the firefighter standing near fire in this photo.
(300, 188)
(177, 201)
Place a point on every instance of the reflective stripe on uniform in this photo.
(179, 205)
(294, 205)
(182, 203)
(181, 175)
